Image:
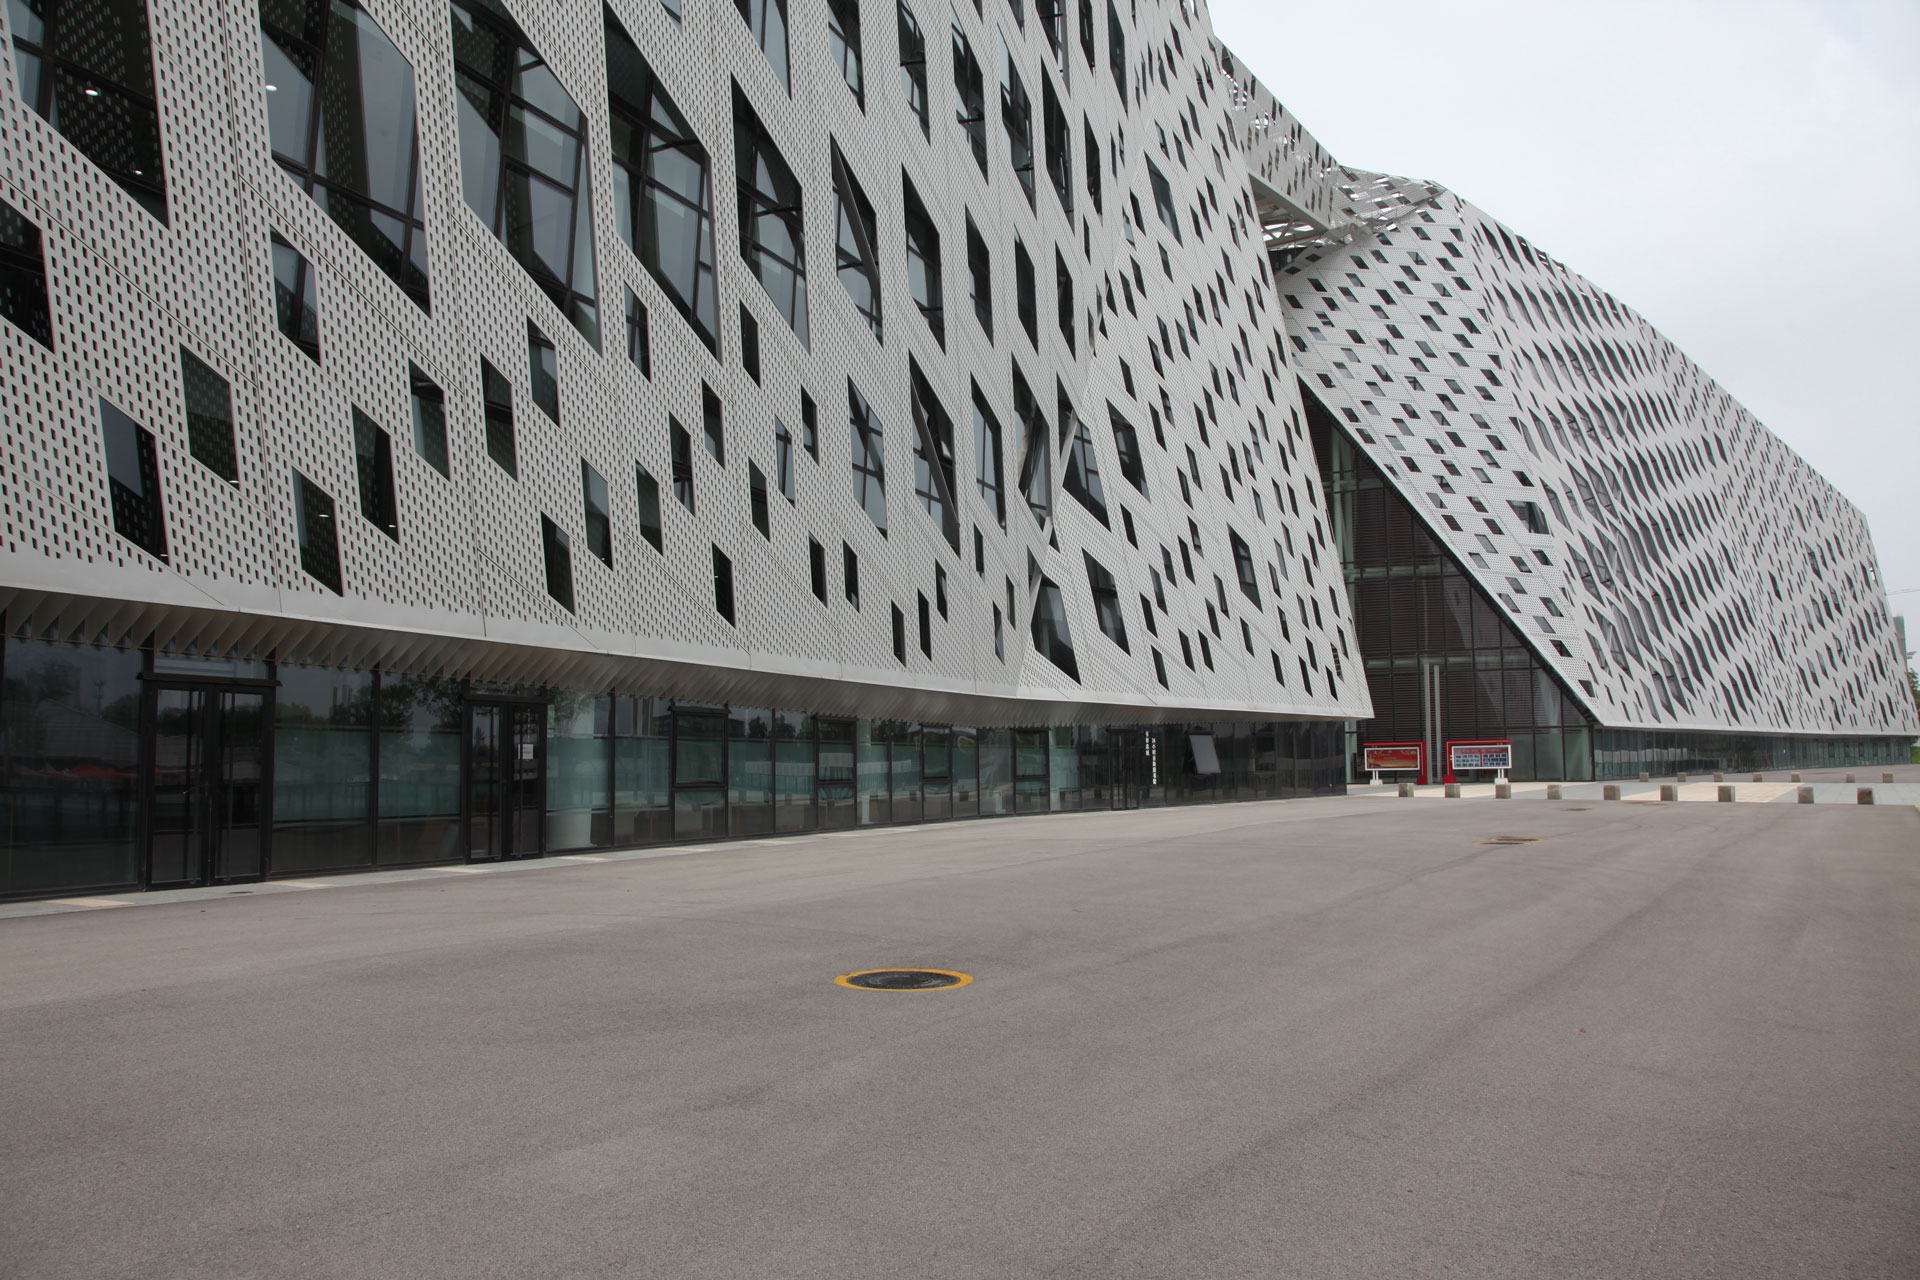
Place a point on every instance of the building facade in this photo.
(465, 429)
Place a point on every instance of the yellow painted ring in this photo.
(846, 979)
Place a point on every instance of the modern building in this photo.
(442, 430)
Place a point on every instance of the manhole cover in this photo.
(1581, 809)
(1511, 840)
(904, 979)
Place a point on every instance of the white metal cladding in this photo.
(1669, 557)
(463, 588)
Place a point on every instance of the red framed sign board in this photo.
(1395, 757)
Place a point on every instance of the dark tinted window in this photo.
(319, 540)
(373, 465)
(87, 66)
(557, 550)
(133, 482)
(209, 417)
(23, 276)
(296, 308)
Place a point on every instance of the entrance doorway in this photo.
(205, 783)
(506, 764)
(1127, 767)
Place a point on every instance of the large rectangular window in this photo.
(913, 67)
(869, 458)
(543, 372)
(933, 456)
(86, 66)
(682, 446)
(599, 515)
(23, 276)
(649, 506)
(1163, 199)
(980, 278)
(1106, 602)
(1063, 298)
(772, 232)
(340, 115)
(1126, 443)
(858, 259)
(209, 403)
(923, 261)
(496, 394)
(843, 43)
(663, 189)
(1016, 118)
(1025, 297)
(373, 464)
(429, 420)
(988, 469)
(767, 19)
(1083, 470)
(523, 158)
(1052, 638)
(319, 539)
(296, 306)
(1058, 136)
(133, 482)
(1036, 451)
(557, 551)
(969, 95)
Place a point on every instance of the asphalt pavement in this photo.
(1321, 1038)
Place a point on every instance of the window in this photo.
(209, 403)
(772, 239)
(497, 395)
(682, 445)
(663, 189)
(1117, 63)
(987, 468)
(1058, 137)
(757, 499)
(980, 278)
(869, 458)
(523, 158)
(1016, 117)
(843, 42)
(558, 554)
(913, 67)
(649, 506)
(940, 590)
(639, 345)
(767, 19)
(319, 540)
(783, 459)
(817, 568)
(1127, 444)
(1036, 452)
(340, 115)
(850, 574)
(923, 261)
(809, 427)
(858, 258)
(723, 585)
(296, 306)
(1090, 146)
(543, 372)
(599, 513)
(1023, 293)
(1083, 473)
(1163, 199)
(1243, 566)
(1106, 602)
(999, 634)
(711, 424)
(899, 634)
(1063, 294)
(1051, 635)
(87, 67)
(23, 274)
(429, 419)
(749, 343)
(969, 95)
(133, 482)
(933, 456)
(926, 627)
(373, 464)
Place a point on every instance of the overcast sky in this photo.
(1744, 173)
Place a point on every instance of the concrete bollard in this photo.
(1794, 778)
(1886, 777)
(1865, 795)
(1726, 795)
(1503, 791)
(1646, 777)
(1611, 791)
(1680, 777)
(1806, 794)
(1719, 777)
(1849, 777)
(1453, 791)
(1756, 777)
(1406, 791)
(1669, 793)
(1553, 791)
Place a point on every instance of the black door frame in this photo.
(152, 685)
(506, 704)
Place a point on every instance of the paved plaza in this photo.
(1320, 1038)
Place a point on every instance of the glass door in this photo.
(506, 780)
(205, 785)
